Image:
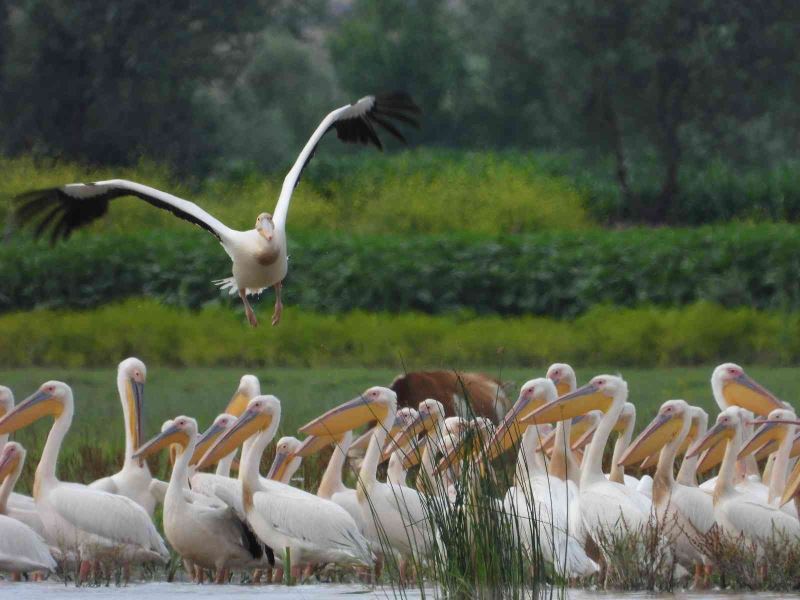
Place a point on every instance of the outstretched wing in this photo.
(59, 211)
(356, 123)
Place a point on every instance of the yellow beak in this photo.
(511, 428)
(36, 406)
(581, 401)
(792, 485)
(314, 443)
(768, 432)
(718, 433)
(423, 422)
(171, 435)
(8, 465)
(205, 442)
(743, 391)
(238, 404)
(655, 436)
(711, 457)
(346, 417)
(250, 423)
(279, 465)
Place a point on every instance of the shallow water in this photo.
(168, 591)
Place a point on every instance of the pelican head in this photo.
(429, 418)
(733, 387)
(673, 419)
(220, 425)
(53, 398)
(779, 424)
(286, 460)
(265, 226)
(178, 433)
(261, 413)
(6, 400)
(599, 394)
(728, 424)
(131, 377)
(534, 394)
(563, 376)
(249, 388)
(12, 457)
(374, 404)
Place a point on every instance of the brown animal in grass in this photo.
(462, 394)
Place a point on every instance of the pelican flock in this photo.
(561, 494)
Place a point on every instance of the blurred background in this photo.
(602, 182)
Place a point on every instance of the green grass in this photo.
(96, 439)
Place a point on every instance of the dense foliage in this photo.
(700, 334)
(656, 87)
(552, 273)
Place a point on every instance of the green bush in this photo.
(215, 336)
(553, 273)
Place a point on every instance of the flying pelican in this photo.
(315, 529)
(259, 255)
(21, 548)
(92, 520)
(736, 512)
(540, 493)
(600, 503)
(398, 510)
(211, 538)
(684, 510)
(134, 480)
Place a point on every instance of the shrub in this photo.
(216, 336)
(559, 274)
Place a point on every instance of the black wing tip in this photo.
(397, 106)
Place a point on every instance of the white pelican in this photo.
(207, 483)
(539, 495)
(16, 500)
(687, 474)
(601, 505)
(286, 461)
(397, 510)
(134, 480)
(684, 511)
(76, 515)
(21, 548)
(315, 529)
(779, 427)
(211, 538)
(259, 255)
(736, 512)
(430, 421)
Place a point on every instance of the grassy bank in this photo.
(95, 444)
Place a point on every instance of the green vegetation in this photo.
(562, 274)
(215, 336)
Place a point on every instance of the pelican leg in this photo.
(276, 316)
(296, 572)
(255, 578)
(200, 574)
(278, 576)
(251, 316)
(15, 576)
(222, 576)
(698, 576)
(308, 572)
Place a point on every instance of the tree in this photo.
(645, 74)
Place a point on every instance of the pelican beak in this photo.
(651, 460)
(450, 457)
(711, 457)
(313, 444)
(581, 401)
(205, 441)
(345, 417)
(513, 425)
(238, 404)
(767, 449)
(413, 456)
(8, 463)
(171, 435)
(404, 437)
(135, 399)
(36, 406)
(656, 435)
(795, 451)
(745, 392)
(548, 441)
(792, 485)
(718, 433)
(279, 465)
(770, 431)
(250, 423)
(562, 386)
